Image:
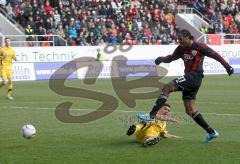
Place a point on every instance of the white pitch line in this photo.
(211, 102)
(123, 111)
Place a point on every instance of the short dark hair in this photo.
(185, 33)
(166, 104)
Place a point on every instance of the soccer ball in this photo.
(28, 131)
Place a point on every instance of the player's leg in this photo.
(191, 87)
(167, 89)
(190, 109)
(144, 133)
(4, 78)
(9, 89)
(151, 141)
(151, 136)
(174, 85)
(9, 85)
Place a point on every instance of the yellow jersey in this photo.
(8, 55)
(157, 129)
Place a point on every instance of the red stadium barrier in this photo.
(214, 39)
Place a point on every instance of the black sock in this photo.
(159, 103)
(154, 111)
(200, 121)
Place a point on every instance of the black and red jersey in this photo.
(193, 57)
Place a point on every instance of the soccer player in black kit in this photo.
(192, 53)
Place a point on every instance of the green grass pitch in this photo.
(105, 140)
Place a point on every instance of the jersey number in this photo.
(180, 79)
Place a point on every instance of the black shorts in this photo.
(189, 85)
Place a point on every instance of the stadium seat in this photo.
(237, 41)
(227, 42)
(45, 44)
(159, 42)
(74, 43)
(214, 39)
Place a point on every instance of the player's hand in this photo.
(230, 70)
(159, 60)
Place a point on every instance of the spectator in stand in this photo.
(73, 33)
(13, 3)
(81, 40)
(31, 22)
(197, 5)
(49, 24)
(147, 31)
(57, 17)
(237, 18)
(125, 16)
(47, 8)
(29, 32)
(54, 3)
(112, 39)
(41, 31)
(119, 37)
(138, 24)
(60, 31)
(10, 12)
(91, 39)
(37, 19)
(203, 29)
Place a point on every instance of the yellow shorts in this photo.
(146, 132)
(6, 73)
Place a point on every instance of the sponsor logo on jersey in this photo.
(188, 57)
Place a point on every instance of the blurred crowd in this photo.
(96, 22)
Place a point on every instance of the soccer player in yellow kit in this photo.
(149, 133)
(7, 54)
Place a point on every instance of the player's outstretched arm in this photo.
(167, 118)
(165, 59)
(169, 58)
(207, 51)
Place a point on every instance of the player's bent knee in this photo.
(167, 89)
(190, 112)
